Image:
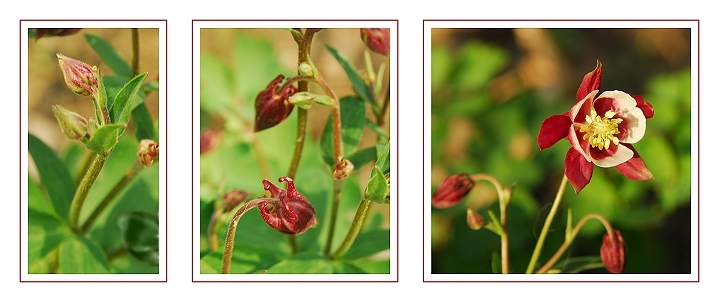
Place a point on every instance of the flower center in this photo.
(600, 131)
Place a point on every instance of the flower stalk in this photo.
(547, 223)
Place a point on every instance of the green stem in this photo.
(135, 52)
(84, 187)
(503, 204)
(230, 241)
(334, 207)
(86, 161)
(547, 223)
(124, 181)
(355, 228)
(568, 241)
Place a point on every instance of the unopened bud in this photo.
(147, 152)
(271, 104)
(80, 77)
(474, 220)
(451, 191)
(376, 39)
(73, 125)
(612, 252)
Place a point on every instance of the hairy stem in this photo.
(84, 187)
(547, 223)
(230, 242)
(355, 228)
(124, 181)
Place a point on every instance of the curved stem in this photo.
(230, 242)
(503, 204)
(84, 187)
(355, 228)
(124, 181)
(547, 223)
(571, 237)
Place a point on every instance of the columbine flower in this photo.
(79, 76)
(451, 191)
(376, 39)
(612, 252)
(286, 210)
(601, 129)
(271, 105)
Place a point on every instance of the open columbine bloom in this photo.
(601, 129)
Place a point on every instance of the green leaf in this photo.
(79, 255)
(105, 138)
(54, 177)
(373, 266)
(383, 159)
(44, 233)
(378, 187)
(352, 117)
(357, 82)
(303, 263)
(363, 157)
(123, 103)
(140, 235)
(144, 125)
(368, 243)
(206, 268)
(109, 55)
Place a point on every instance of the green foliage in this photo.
(121, 235)
(244, 158)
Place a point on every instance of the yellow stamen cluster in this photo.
(599, 130)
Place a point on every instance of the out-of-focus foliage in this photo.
(491, 90)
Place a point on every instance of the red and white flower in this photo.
(601, 129)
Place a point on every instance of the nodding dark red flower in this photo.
(376, 39)
(601, 129)
(286, 210)
(271, 104)
(613, 252)
(451, 191)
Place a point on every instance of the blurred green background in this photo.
(491, 90)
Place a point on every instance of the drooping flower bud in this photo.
(147, 152)
(376, 39)
(79, 76)
(210, 139)
(232, 199)
(271, 104)
(452, 190)
(286, 210)
(613, 253)
(474, 220)
(72, 124)
(343, 169)
(55, 32)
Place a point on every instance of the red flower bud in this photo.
(79, 76)
(376, 39)
(271, 104)
(55, 32)
(209, 140)
(452, 190)
(147, 152)
(474, 220)
(613, 253)
(286, 210)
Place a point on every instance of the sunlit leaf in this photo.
(53, 174)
